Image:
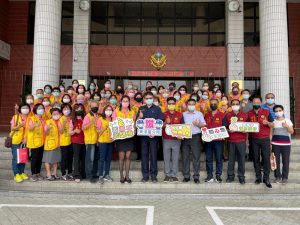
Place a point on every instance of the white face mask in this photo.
(107, 85)
(70, 92)
(66, 100)
(66, 112)
(56, 117)
(29, 101)
(25, 111)
(108, 112)
(196, 88)
(246, 96)
(279, 114)
(46, 103)
(235, 107)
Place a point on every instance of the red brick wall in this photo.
(3, 19)
(119, 59)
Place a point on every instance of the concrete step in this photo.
(137, 175)
(141, 188)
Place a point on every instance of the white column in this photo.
(274, 57)
(81, 40)
(47, 34)
(235, 44)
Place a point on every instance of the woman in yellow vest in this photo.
(105, 144)
(52, 154)
(66, 164)
(46, 103)
(35, 140)
(90, 139)
(125, 146)
(18, 124)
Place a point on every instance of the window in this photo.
(66, 23)
(163, 24)
(251, 24)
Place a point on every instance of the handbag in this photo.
(22, 155)
(273, 161)
(8, 140)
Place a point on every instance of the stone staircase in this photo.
(136, 187)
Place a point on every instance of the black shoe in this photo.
(229, 180)
(197, 181)
(128, 180)
(154, 180)
(122, 180)
(209, 179)
(94, 180)
(258, 181)
(219, 179)
(144, 180)
(185, 180)
(242, 181)
(268, 184)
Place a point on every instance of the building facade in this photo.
(46, 41)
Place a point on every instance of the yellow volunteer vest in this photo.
(90, 134)
(52, 138)
(65, 137)
(130, 114)
(35, 138)
(17, 135)
(105, 136)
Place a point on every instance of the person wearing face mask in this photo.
(77, 139)
(205, 87)
(90, 140)
(80, 99)
(163, 100)
(246, 104)
(35, 140)
(270, 103)
(75, 84)
(184, 96)
(154, 90)
(196, 97)
(125, 146)
(105, 144)
(52, 153)
(195, 87)
(194, 144)
(92, 88)
(30, 101)
(18, 134)
(130, 94)
(235, 94)
(214, 119)
(80, 89)
(138, 101)
(113, 101)
(217, 87)
(47, 90)
(224, 106)
(66, 99)
(119, 92)
(172, 88)
(72, 93)
(217, 95)
(171, 145)
(107, 85)
(149, 143)
(178, 105)
(204, 102)
(281, 144)
(39, 96)
(66, 164)
(236, 142)
(46, 103)
(160, 89)
(62, 89)
(55, 97)
(260, 141)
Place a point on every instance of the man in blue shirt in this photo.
(193, 144)
(270, 103)
(149, 143)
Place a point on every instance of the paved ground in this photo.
(26, 208)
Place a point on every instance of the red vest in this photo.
(237, 136)
(175, 119)
(214, 121)
(78, 138)
(264, 130)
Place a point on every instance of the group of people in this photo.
(69, 127)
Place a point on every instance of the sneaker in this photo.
(209, 179)
(128, 180)
(229, 180)
(242, 181)
(218, 179)
(101, 180)
(197, 181)
(70, 177)
(24, 176)
(39, 177)
(167, 179)
(144, 180)
(108, 178)
(154, 180)
(77, 180)
(55, 177)
(185, 180)
(277, 180)
(93, 180)
(18, 178)
(50, 178)
(175, 179)
(64, 177)
(34, 178)
(284, 181)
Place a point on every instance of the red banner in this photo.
(161, 74)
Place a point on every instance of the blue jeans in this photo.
(105, 156)
(17, 168)
(89, 159)
(216, 148)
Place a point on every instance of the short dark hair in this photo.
(172, 84)
(148, 93)
(278, 106)
(257, 96)
(246, 90)
(191, 100)
(54, 110)
(36, 107)
(23, 104)
(197, 96)
(235, 100)
(66, 105)
(171, 99)
(49, 86)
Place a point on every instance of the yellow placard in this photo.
(81, 82)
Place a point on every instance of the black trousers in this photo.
(79, 161)
(36, 159)
(149, 151)
(236, 149)
(261, 148)
(285, 152)
(66, 163)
